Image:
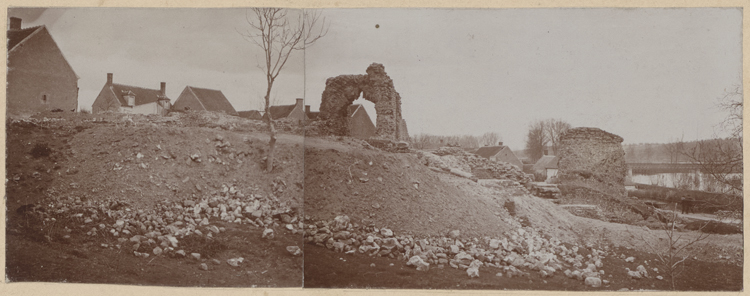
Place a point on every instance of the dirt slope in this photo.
(80, 172)
(397, 191)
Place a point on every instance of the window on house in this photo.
(44, 99)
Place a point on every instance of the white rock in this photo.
(593, 282)
(418, 263)
(630, 259)
(294, 250)
(268, 233)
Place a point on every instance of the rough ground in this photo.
(69, 173)
(396, 191)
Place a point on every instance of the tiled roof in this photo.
(488, 151)
(281, 111)
(213, 100)
(546, 162)
(252, 114)
(142, 95)
(16, 36)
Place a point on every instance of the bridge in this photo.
(657, 168)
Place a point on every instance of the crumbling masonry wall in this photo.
(376, 87)
(592, 155)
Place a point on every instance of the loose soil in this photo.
(396, 191)
(142, 161)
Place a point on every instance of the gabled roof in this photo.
(282, 111)
(142, 95)
(313, 115)
(546, 162)
(16, 37)
(489, 151)
(213, 100)
(352, 109)
(252, 114)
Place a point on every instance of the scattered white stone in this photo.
(195, 256)
(594, 282)
(268, 233)
(419, 263)
(235, 261)
(294, 250)
(473, 270)
(158, 251)
(658, 277)
(204, 266)
(630, 259)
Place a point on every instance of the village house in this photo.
(294, 112)
(39, 77)
(131, 99)
(251, 114)
(195, 98)
(360, 123)
(499, 153)
(546, 166)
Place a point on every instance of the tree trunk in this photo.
(271, 133)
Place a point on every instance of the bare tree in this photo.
(536, 140)
(674, 149)
(279, 35)
(721, 158)
(553, 130)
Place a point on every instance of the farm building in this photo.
(131, 99)
(360, 123)
(546, 166)
(294, 112)
(39, 77)
(499, 153)
(196, 98)
(251, 114)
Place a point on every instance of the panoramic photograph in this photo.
(557, 149)
(525, 149)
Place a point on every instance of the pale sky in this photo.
(648, 75)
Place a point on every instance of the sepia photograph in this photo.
(137, 151)
(532, 149)
(525, 149)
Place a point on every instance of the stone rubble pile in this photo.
(516, 253)
(454, 158)
(157, 231)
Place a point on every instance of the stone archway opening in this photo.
(376, 87)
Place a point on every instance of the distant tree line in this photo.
(427, 141)
(544, 134)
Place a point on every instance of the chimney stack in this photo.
(109, 78)
(499, 143)
(15, 23)
(163, 88)
(300, 101)
(307, 109)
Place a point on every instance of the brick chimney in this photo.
(163, 89)
(499, 143)
(307, 109)
(300, 101)
(15, 23)
(109, 78)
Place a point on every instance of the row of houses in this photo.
(41, 79)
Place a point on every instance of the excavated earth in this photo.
(392, 220)
(133, 199)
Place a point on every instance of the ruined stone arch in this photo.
(375, 86)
